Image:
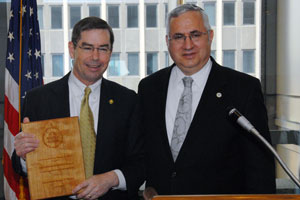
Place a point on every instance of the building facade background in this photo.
(258, 37)
(139, 27)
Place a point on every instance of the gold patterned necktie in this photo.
(87, 132)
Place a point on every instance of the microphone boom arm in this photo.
(244, 123)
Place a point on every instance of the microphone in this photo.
(237, 117)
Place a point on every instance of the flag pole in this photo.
(20, 61)
(180, 2)
(21, 180)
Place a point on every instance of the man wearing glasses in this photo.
(117, 170)
(191, 146)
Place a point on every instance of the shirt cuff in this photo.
(23, 164)
(122, 181)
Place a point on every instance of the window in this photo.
(114, 65)
(152, 63)
(166, 13)
(229, 58)
(75, 15)
(132, 16)
(213, 53)
(228, 13)
(167, 59)
(191, 2)
(133, 63)
(151, 16)
(210, 9)
(113, 16)
(249, 11)
(94, 10)
(56, 17)
(57, 65)
(40, 17)
(248, 61)
(71, 63)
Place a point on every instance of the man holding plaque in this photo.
(105, 109)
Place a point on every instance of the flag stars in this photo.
(30, 31)
(36, 75)
(23, 10)
(10, 57)
(11, 14)
(28, 75)
(29, 53)
(31, 11)
(23, 97)
(37, 54)
(11, 36)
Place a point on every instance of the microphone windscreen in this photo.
(233, 113)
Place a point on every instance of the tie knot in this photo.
(187, 81)
(87, 91)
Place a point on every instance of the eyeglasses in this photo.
(194, 36)
(100, 50)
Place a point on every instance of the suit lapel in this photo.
(213, 102)
(61, 95)
(103, 114)
(162, 89)
(214, 94)
(106, 109)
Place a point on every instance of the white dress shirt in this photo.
(76, 93)
(175, 90)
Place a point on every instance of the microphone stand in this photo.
(283, 165)
(243, 122)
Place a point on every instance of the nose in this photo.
(95, 54)
(188, 43)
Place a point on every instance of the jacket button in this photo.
(173, 175)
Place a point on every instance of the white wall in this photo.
(288, 64)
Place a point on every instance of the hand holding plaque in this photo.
(56, 166)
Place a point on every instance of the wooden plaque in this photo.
(56, 166)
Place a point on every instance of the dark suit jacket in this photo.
(217, 156)
(118, 145)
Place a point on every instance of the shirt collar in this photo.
(197, 77)
(78, 87)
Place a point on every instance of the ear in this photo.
(71, 49)
(211, 35)
(167, 40)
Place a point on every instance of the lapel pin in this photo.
(111, 101)
(219, 94)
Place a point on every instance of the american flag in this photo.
(23, 71)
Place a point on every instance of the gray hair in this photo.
(183, 9)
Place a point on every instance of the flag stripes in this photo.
(23, 71)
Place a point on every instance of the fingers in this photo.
(25, 142)
(79, 187)
(82, 190)
(149, 193)
(93, 187)
(26, 120)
